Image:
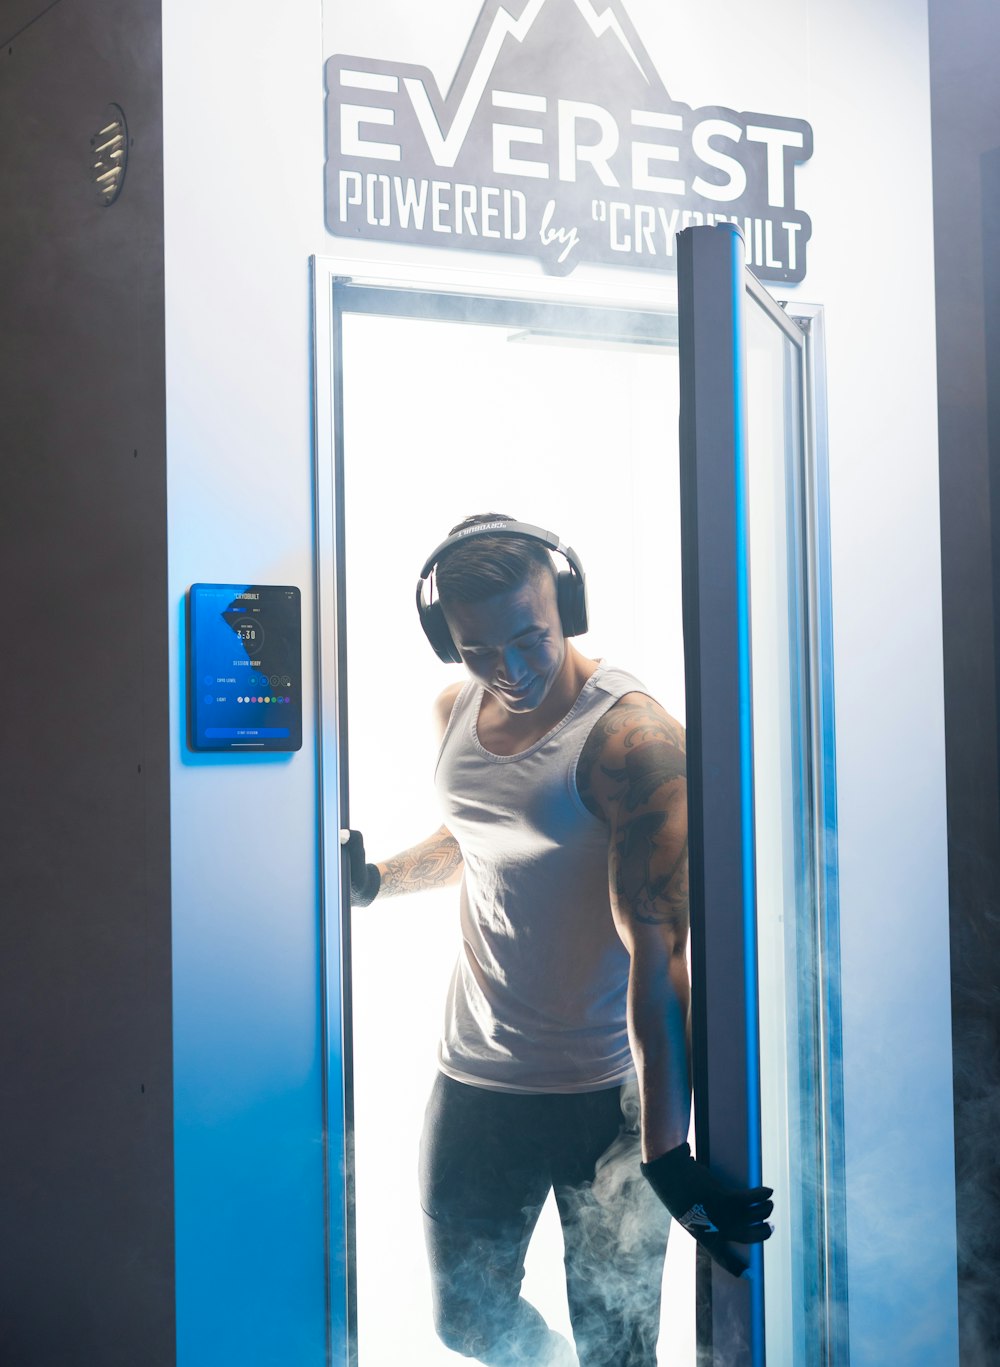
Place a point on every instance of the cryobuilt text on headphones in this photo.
(557, 140)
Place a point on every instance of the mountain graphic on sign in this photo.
(496, 24)
(594, 44)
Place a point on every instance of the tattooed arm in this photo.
(434, 863)
(632, 775)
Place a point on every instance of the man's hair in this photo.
(483, 566)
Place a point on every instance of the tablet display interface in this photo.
(244, 667)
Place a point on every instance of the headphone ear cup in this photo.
(571, 592)
(437, 631)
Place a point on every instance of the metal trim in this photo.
(331, 732)
(836, 1345)
(779, 316)
(551, 317)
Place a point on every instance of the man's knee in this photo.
(473, 1299)
(501, 1335)
(457, 1338)
(466, 1327)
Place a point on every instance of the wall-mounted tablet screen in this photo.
(244, 667)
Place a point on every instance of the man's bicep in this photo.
(632, 774)
(648, 867)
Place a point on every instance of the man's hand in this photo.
(714, 1212)
(365, 878)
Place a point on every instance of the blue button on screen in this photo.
(246, 732)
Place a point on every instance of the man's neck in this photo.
(527, 727)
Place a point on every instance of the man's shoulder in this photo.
(634, 719)
(634, 724)
(444, 705)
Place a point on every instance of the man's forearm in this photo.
(434, 863)
(658, 1030)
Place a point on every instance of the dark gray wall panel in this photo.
(18, 15)
(86, 1204)
(965, 52)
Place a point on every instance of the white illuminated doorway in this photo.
(432, 406)
(512, 410)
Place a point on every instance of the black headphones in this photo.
(571, 584)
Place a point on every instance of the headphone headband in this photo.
(502, 528)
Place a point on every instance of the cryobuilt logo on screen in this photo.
(557, 140)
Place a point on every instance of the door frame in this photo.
(347, 285)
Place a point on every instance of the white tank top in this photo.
(537, 999)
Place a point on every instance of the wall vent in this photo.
(109, 149)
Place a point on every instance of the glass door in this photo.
(763, 826)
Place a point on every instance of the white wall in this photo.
(243, 103)
(243, 141)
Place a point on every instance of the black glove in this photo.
(365, 878)
(711, 1210)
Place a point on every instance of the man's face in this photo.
(513, 643)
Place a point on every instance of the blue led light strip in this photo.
(746, 778)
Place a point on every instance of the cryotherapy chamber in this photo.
(680, 449)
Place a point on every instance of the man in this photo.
(566, 1035)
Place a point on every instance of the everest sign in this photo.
(557, 140)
